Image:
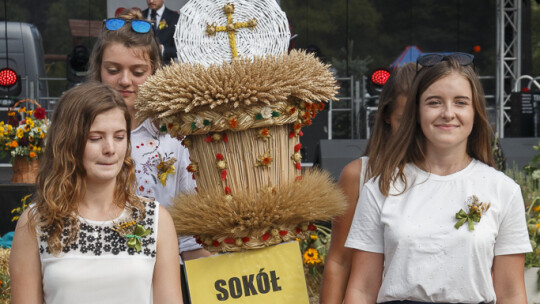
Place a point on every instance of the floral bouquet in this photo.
(529, 180)
(5, 282)
(26, 137)
(314, 250)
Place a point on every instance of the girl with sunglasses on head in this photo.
(439, 224)
(356, 173)
(124, 56)
(87, 238)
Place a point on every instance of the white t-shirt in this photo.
(147, 145)
(425, 257)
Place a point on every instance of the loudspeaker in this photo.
(521, 115)
(337, 153)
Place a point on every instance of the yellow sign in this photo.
(270, 275)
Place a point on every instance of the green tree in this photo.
(324, 24)
(16, 10)
(57, 34)
(535, 40)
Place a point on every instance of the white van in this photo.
(25, 57)
(22, 52)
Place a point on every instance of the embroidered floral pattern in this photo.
(96, 240)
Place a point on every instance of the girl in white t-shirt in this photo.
(439, 224)
(355, 174)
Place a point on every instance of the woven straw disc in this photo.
(270, 36)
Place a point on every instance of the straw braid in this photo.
(214, 217)
(178, 89)
(246, 118)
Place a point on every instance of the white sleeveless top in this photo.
(99, 267)
(364, 160)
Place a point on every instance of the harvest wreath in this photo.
(241, 121)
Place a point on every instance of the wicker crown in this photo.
(213, 31)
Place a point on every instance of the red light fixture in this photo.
(8, 77)
(379, 77)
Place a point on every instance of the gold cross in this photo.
(230, 28)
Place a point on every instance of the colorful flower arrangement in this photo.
(476, 209)
(26, 137)
(314, 250)
(529, 180)
(19, 210)
(5, 282)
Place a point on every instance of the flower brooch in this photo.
(133, 232)
(165, 167)
(476, 209)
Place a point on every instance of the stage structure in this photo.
(508, 57)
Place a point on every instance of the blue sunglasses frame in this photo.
(138, 26)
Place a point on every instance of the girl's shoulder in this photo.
(353, 169)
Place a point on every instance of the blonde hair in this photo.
(125, 36)
(60, 182)
(411, 140)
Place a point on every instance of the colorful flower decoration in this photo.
(193, 167)
(264, 160)
(165, 167)
(476, 209)
(264, 134)
(266, 113)
(311, 257)
(221, 162)
(297, 157)
(133, 233)
(199, 123)
(25, 138)
(162, 24)
(291, 110)
(308, 112)
(233, 123)
(216, 137)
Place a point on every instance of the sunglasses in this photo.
(138, 26)
(430, 60)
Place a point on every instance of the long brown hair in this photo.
(125, 36)
(397, 85)
(409, 142)
(60, 182)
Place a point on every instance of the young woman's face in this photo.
(125, 69)
(395, 117)
(447, 113)
(106, 147)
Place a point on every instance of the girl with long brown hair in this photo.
(124, 56)
(88, 238)
(439, 224)
(356, 173)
